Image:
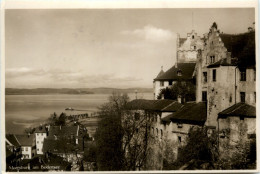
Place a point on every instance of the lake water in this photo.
(23, 111)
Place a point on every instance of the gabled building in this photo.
(179, 72)
(64, 141)
(186, 57)
(13, 151)
(40, 134)
(226, 80)
(27, 143)
(222, 79)
(187, 48)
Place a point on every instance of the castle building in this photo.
(222, 79)
(186, 57)
(223, 66)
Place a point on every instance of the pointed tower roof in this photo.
(161, 72)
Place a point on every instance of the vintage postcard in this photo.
(129, 86)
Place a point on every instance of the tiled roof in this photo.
(160, 73)
(159, 105)
(221, 62)
(25, 140)
(186, 71)
(191, 112)
(62, 145)
(140, 104)
(63, 131)
(241, 46)
(239, 109)
(154, 105)
(12, 139)
(173, 107)
(235, 43)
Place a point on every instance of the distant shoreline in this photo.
(71, 91)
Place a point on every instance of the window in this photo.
(204, 95)
(136, 130)
(161, 133)
(157, 132)
(242, 97)
(161, 83)
(42, 134)
(152, 130)
(192, 36)
(170, 82)
(22, 149)
(214, 75)
(37, 142)
(194, 47)
(26, 149)
(242, 74)
(42, 142)
(212, 59)
(137, 116)
(37, 134)
(37, 149)
(179, 138)
(205, 77)
(255, 96)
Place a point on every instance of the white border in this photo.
(102, 4)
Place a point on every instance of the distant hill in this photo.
(44, 91)
(128, 90)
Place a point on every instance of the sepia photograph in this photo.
(129, 89)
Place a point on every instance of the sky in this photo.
(89, 48)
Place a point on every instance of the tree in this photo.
(52, 119)
(136, 139)
(62, 120)
(184, 89)
(109, 134)
(29, 130)
(200, 148)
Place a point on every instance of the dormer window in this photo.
(179, 73)
(212, 59)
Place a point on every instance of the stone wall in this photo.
(234, 133)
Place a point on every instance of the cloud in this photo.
(81, 77)
(151, 33)
(23, 71)
(61, 77)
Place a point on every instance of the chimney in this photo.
(229, 57)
